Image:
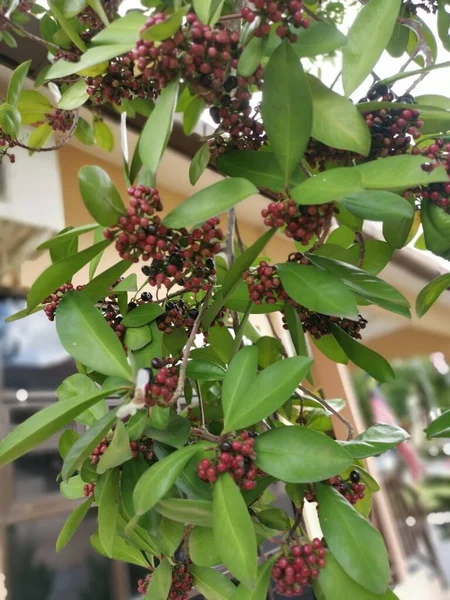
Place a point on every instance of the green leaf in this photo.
(68, 27)
(205, 370)
(377, 206)
(85, 444)
(97, 55)
(375, 440)
(66, 441)
(166, 29)
(440, 427)
(74, 7)
(160, 582)
(158, 480)
(87, 337)
(328, 186)
(286, 108)
(10, 120)
(40, 136)
(72, 489)
(319, 38)
(72, 524)
(375, 21)
(100, 196)
(210, 201)
(121, 550)
(443, 23)
(141, 315)
(318, 290)
(211, 584)
(190, 512)
(202, 548)
(336, 121)
(43, 424)
(275, 518)
(138, 337)
(262, 584)
(107, 499)
(192, 114)
(84, 132)
(233, 531)
(251, 57)
(430, 293)
(124, 29)
(300, 455)
(270, 390)
(16, 82)
(356, 545)
(199, 163)
(129, 284)
(60, 272)
(66, 235)
(269, 351)
(170, 535)
(261, 168)
(155, 135)
(363, 357)
(99, 287)
(74, 96)
(9, 39)
(202, 9)
(97, 6)
(104, 137)
(33, 106)
(118, 451)
(295, 330)
(435, 240)
(238, 380)
(79, 385)
(141, 359)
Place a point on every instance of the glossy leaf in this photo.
(356, 545)
(435, 240)
(104, 137)
(300, 455)
(191, 512)
(375, 440)
(10, 120)
(121, 550)
(233, 531)
(72, 524)
(212, 584)
(84, 132)
(72, 489)
(158, 480)
(137, 337)
(286, 108)
(202, 9)
(205, 370)
(440, 427)
(87, 337)
(100, 286)
(363, 357)
(430, 293)
(66, 441)
(377, 206)
(270, 390)
(251, 57)
(124, 29)
(160, 582)
(16, 82)
(40, 136)
(210, 201)
(329, 346)
(74, 96)
(100, 196)
(79, 385)
(238, 380)
(318, 290)
(118, 451)
(202, 548)
(262, 584)
(68, 27)
(374, 22)
(66, 235)
(295, 329)
(33, 106)
(199, 163)
(170, 535)
(107, 499)
(192, 114)
(142, 315)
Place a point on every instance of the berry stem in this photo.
(204, 434)
(362, 248)
(324, 403)
(57, 146)
(297, 521)
(231, 17)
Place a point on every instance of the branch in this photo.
(205, 435)
(331, 409)
(298, 520)
(323, 236)
(230, 236)
(311, 14)
(33, 37)
(57, 146)
(231, 17)
(182, 376)
(362, 248)
(239, 238)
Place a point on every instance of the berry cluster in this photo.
(239, 128)
(182, 582)
(285, 14)
(142, 447)
(319, 156)
(438, 193)
(178, 314)
(89, 490)
(60, 120)
(264, 284)
(298, 566)
(161, 385)
(352, 489)
(52, 301)
(319, 325)
(302, 222)
(6, 143)
(90, 19)
(236, 457)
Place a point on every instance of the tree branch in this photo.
(362, 248)
(204, 434)
(33, 37)
(324, 403)
(57, 146)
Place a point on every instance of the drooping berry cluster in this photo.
(52, 301)
(162, 383)
(264, 284)
(182, 582)
(60, 120)
(319, 325)
(298, 566)
(320, 156)
(236, 457)
(352, 489)
(438, 193)
(178, 315)
(302, 222)
(142, 447)
(240, 125)
(89, 490)
(285, 14)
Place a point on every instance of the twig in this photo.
(231, 17)
(205, 435)
(323, 236)
(33, 37)
(200, 405)
(240, 334)
(57, 146)
(230, 236)
(174, 295)
(311, 14)
(275, 335)
(186, 350)
(298, 519)
(362, 248)
(336, 79)
(238, 236)
(331, 409)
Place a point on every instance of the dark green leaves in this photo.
(251, 57)
(107, 499)
(141, 315)
(431, 293)
(286, 108)
(377, 206)
(356, 545)
(72, 524)
(233, 531)
(270, 390)
(367, 359)
(434, 221)
(210, 201)
(440, 427)
(199, 163)
(100, 196)
(155, 135)
(300, 455)
(375, 440)
(138, 337)
(86, 336)
(158, 480)
(118, 451)
(318, 38)
(375, 22)
(239, 377)
(205, 370)
(318, 290)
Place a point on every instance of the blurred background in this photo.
(39, 197)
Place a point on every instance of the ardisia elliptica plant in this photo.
(205, 419)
